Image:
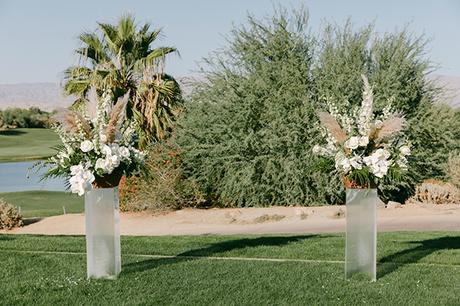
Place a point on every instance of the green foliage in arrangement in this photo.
(251, 125)
(25, 118)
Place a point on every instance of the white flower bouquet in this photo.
(98, 145)
(366, 147)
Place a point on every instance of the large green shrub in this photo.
(250, 126)
(249, 129)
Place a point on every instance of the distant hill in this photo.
(48, 96)
(451, 84)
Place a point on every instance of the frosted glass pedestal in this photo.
(361, 237)
(102, 233)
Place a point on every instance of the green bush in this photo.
(453, 168)
(163, 188)
(26, 118)
(249, 129)
(9, 216)
(250, 126)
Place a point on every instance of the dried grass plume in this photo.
(116, 117)
(391, 126)
(331, 124)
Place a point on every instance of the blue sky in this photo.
(38, 37)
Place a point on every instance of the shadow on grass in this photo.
(6, 237)
(11, 132)
(397, 260)
(214, 249)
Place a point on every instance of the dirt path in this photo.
(274, 220)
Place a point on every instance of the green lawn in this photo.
(44, 203)
(26, 144)
(413, 269)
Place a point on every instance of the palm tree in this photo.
(120, 58)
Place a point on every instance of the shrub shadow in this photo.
(6, 237)
(391, 263)
(28, 221)
(213, 249)
(11, 132)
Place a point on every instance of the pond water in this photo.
(19, 177)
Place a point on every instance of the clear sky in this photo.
(37, 38)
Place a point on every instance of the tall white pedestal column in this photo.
(361, 236)
(102, 233)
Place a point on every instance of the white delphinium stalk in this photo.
(388, 109)
(128, 133)
(139, 156)
(365, 115)
(404, 150)
(402, 161)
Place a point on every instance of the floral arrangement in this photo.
(365, 146)
(98, 145)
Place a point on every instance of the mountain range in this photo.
(48, 96)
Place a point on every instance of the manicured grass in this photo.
(27, 144)
(414, 269)
(44, 203)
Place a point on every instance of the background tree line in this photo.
(25, 118)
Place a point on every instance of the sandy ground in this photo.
(274, 220)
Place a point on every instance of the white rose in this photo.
(86, 146)
(381, 154)
(103, 138)
(363, 141)
(405, 150)
(316, 149)
(106, 150)
(115, 147)
(352, 143)
(124, 152)
(111, 162)
(100, 163)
